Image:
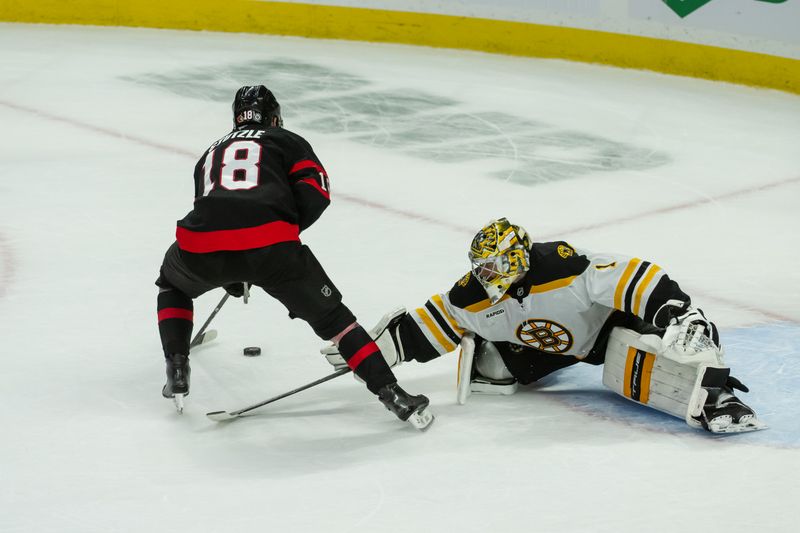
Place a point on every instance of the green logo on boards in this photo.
(686, 7)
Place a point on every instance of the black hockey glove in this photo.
(236, 289)
(734, 383)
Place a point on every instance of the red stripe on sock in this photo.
(368, 349)
(175, 312)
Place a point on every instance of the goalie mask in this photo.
(500, 256)
(255, 105)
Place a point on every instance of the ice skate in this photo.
(725, 413)
(178, 377)
(408, 408)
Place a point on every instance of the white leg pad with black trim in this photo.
(466, 354)
(635, 368)
(491, 375)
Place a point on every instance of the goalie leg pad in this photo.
(481, 370)
(636, 369)
(632, 369)
(466, 355)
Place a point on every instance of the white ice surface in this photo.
(95, 167)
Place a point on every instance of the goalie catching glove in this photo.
(686, 327)
(385, 334)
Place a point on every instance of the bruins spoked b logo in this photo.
(545, 335)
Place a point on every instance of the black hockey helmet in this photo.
(255, 104)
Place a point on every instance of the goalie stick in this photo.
(221, 416)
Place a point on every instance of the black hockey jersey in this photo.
(254, 187)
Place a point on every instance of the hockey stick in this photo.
(221, 416)
(202, 336)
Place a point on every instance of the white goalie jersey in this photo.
(559, 307)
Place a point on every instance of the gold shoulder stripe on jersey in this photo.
(604, 267)
(484, 304)
(626, 275)
(654, 269)
(535, 289)
(552, 285)
(438, 335)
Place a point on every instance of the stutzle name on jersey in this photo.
(243, 134)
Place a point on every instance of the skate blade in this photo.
(725, 425)
(421, 420)
(178, 401)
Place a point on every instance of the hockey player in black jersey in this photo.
(256, 189)
(528, 309)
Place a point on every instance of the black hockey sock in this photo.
(175, 314)
(365, 359)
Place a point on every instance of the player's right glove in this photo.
(236, 289)
(386, 335)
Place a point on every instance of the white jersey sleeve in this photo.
(625, 283)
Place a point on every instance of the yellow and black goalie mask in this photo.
(500, 256)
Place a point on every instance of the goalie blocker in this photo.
(695, 387)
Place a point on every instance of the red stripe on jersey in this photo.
(313, 183)
(201, 242)
(307, 163)
(369, 349)
(175, 312)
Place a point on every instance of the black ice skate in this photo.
(178, 377)
(725, 413)
(408, 408)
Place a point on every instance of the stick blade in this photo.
(220, 416)
(206, 337)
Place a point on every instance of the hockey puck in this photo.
(252, 351)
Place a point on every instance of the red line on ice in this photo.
(364, 202)
(8, 265)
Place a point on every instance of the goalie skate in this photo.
(725, 413)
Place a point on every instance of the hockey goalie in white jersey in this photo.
(528, 309)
